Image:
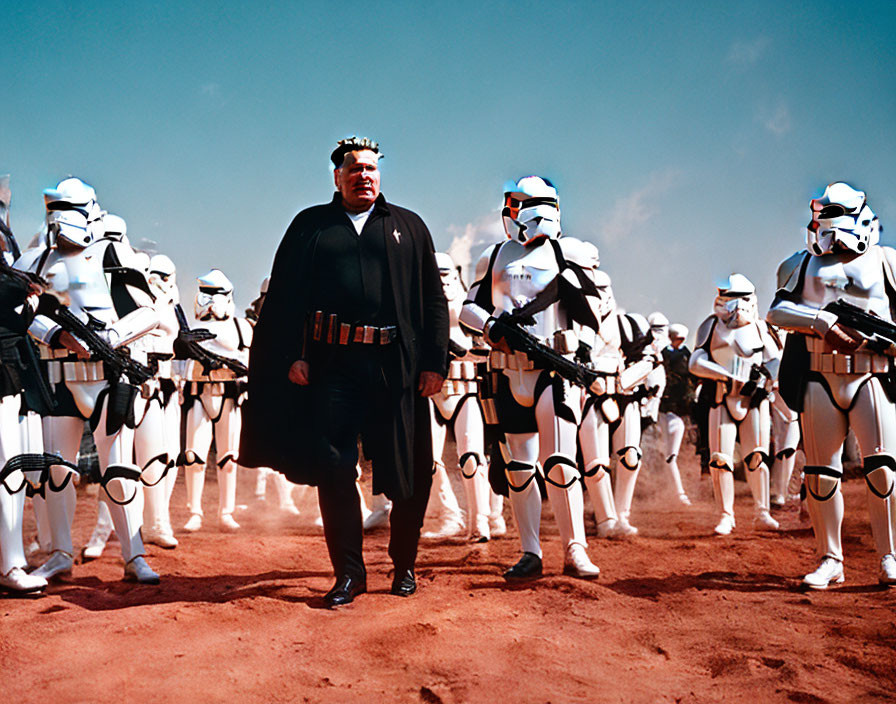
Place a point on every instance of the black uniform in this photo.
(331, 286)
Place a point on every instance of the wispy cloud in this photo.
(470, 240)
(746, 53)
(775, 118)
(635, 209)
(212, 90)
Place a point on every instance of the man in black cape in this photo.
(352, 337)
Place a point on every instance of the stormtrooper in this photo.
(621, 412)
(212, 399)
(533, 279)
(106, 287)
(786, 436)
(456, 408)
(837, 378)
(23, 393)
(737, 353)
(156, 424)
(675, 404)
(655, 383)
(610, 414)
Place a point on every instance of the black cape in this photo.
(275, 416)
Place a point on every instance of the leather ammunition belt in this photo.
(516, 361)
(823, 359)
(59, 371)
(605, 385)
(193, 371)
(219, 388)
(855, 363)
(461, 378)
(327, 329)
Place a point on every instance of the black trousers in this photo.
(351, 398)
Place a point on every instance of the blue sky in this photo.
(685, 138)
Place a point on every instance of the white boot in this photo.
(624, 491)
(18, 581)
(100, 536)
(887, 573)
(758, 480)
(379, 515)
(600, 490)
(477, 493)
(227, 497)
(136, 570)
(448, 515)
(284, 488)
(830, 570)
(578, 564)
(496, 524)
(723, 491)
(59, 564)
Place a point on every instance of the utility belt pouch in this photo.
(488, 389)
(565, 342)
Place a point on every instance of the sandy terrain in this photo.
(676, 616)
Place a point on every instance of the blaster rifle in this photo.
(519, 340)
(118, 360)
(880, 334)
(187, 346)
(753, 389)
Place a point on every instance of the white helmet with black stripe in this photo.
(841, 221)
(531, 210)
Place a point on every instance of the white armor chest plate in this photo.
(520, 274)
(227, 338)
(80, 275)
(737, 349)
(859, 281)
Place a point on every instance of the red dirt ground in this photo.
(676, 616)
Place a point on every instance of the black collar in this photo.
(379, 206)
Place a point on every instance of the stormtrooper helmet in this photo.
(452, 284)
(215, 297)
(163, 276)
(659, 328)
(531, 210)
(115, 228)
(841, 220)
(736, 305)
(73, 214)
(677, 331)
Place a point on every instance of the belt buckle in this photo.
(369, 332)
(384, 336)
(344, 332)
(317, 324)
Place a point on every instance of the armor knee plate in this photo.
(822, 482)
(630, 458)
(114, 481)
(785, 453)
(879, 471)
(470, 462)
(230, 457)
(435, 466)
(519, 475)
(561, 471)
(596, 469)
(163, 461)
(719, 460)
(756, 459)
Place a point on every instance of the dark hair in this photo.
(352, 144)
